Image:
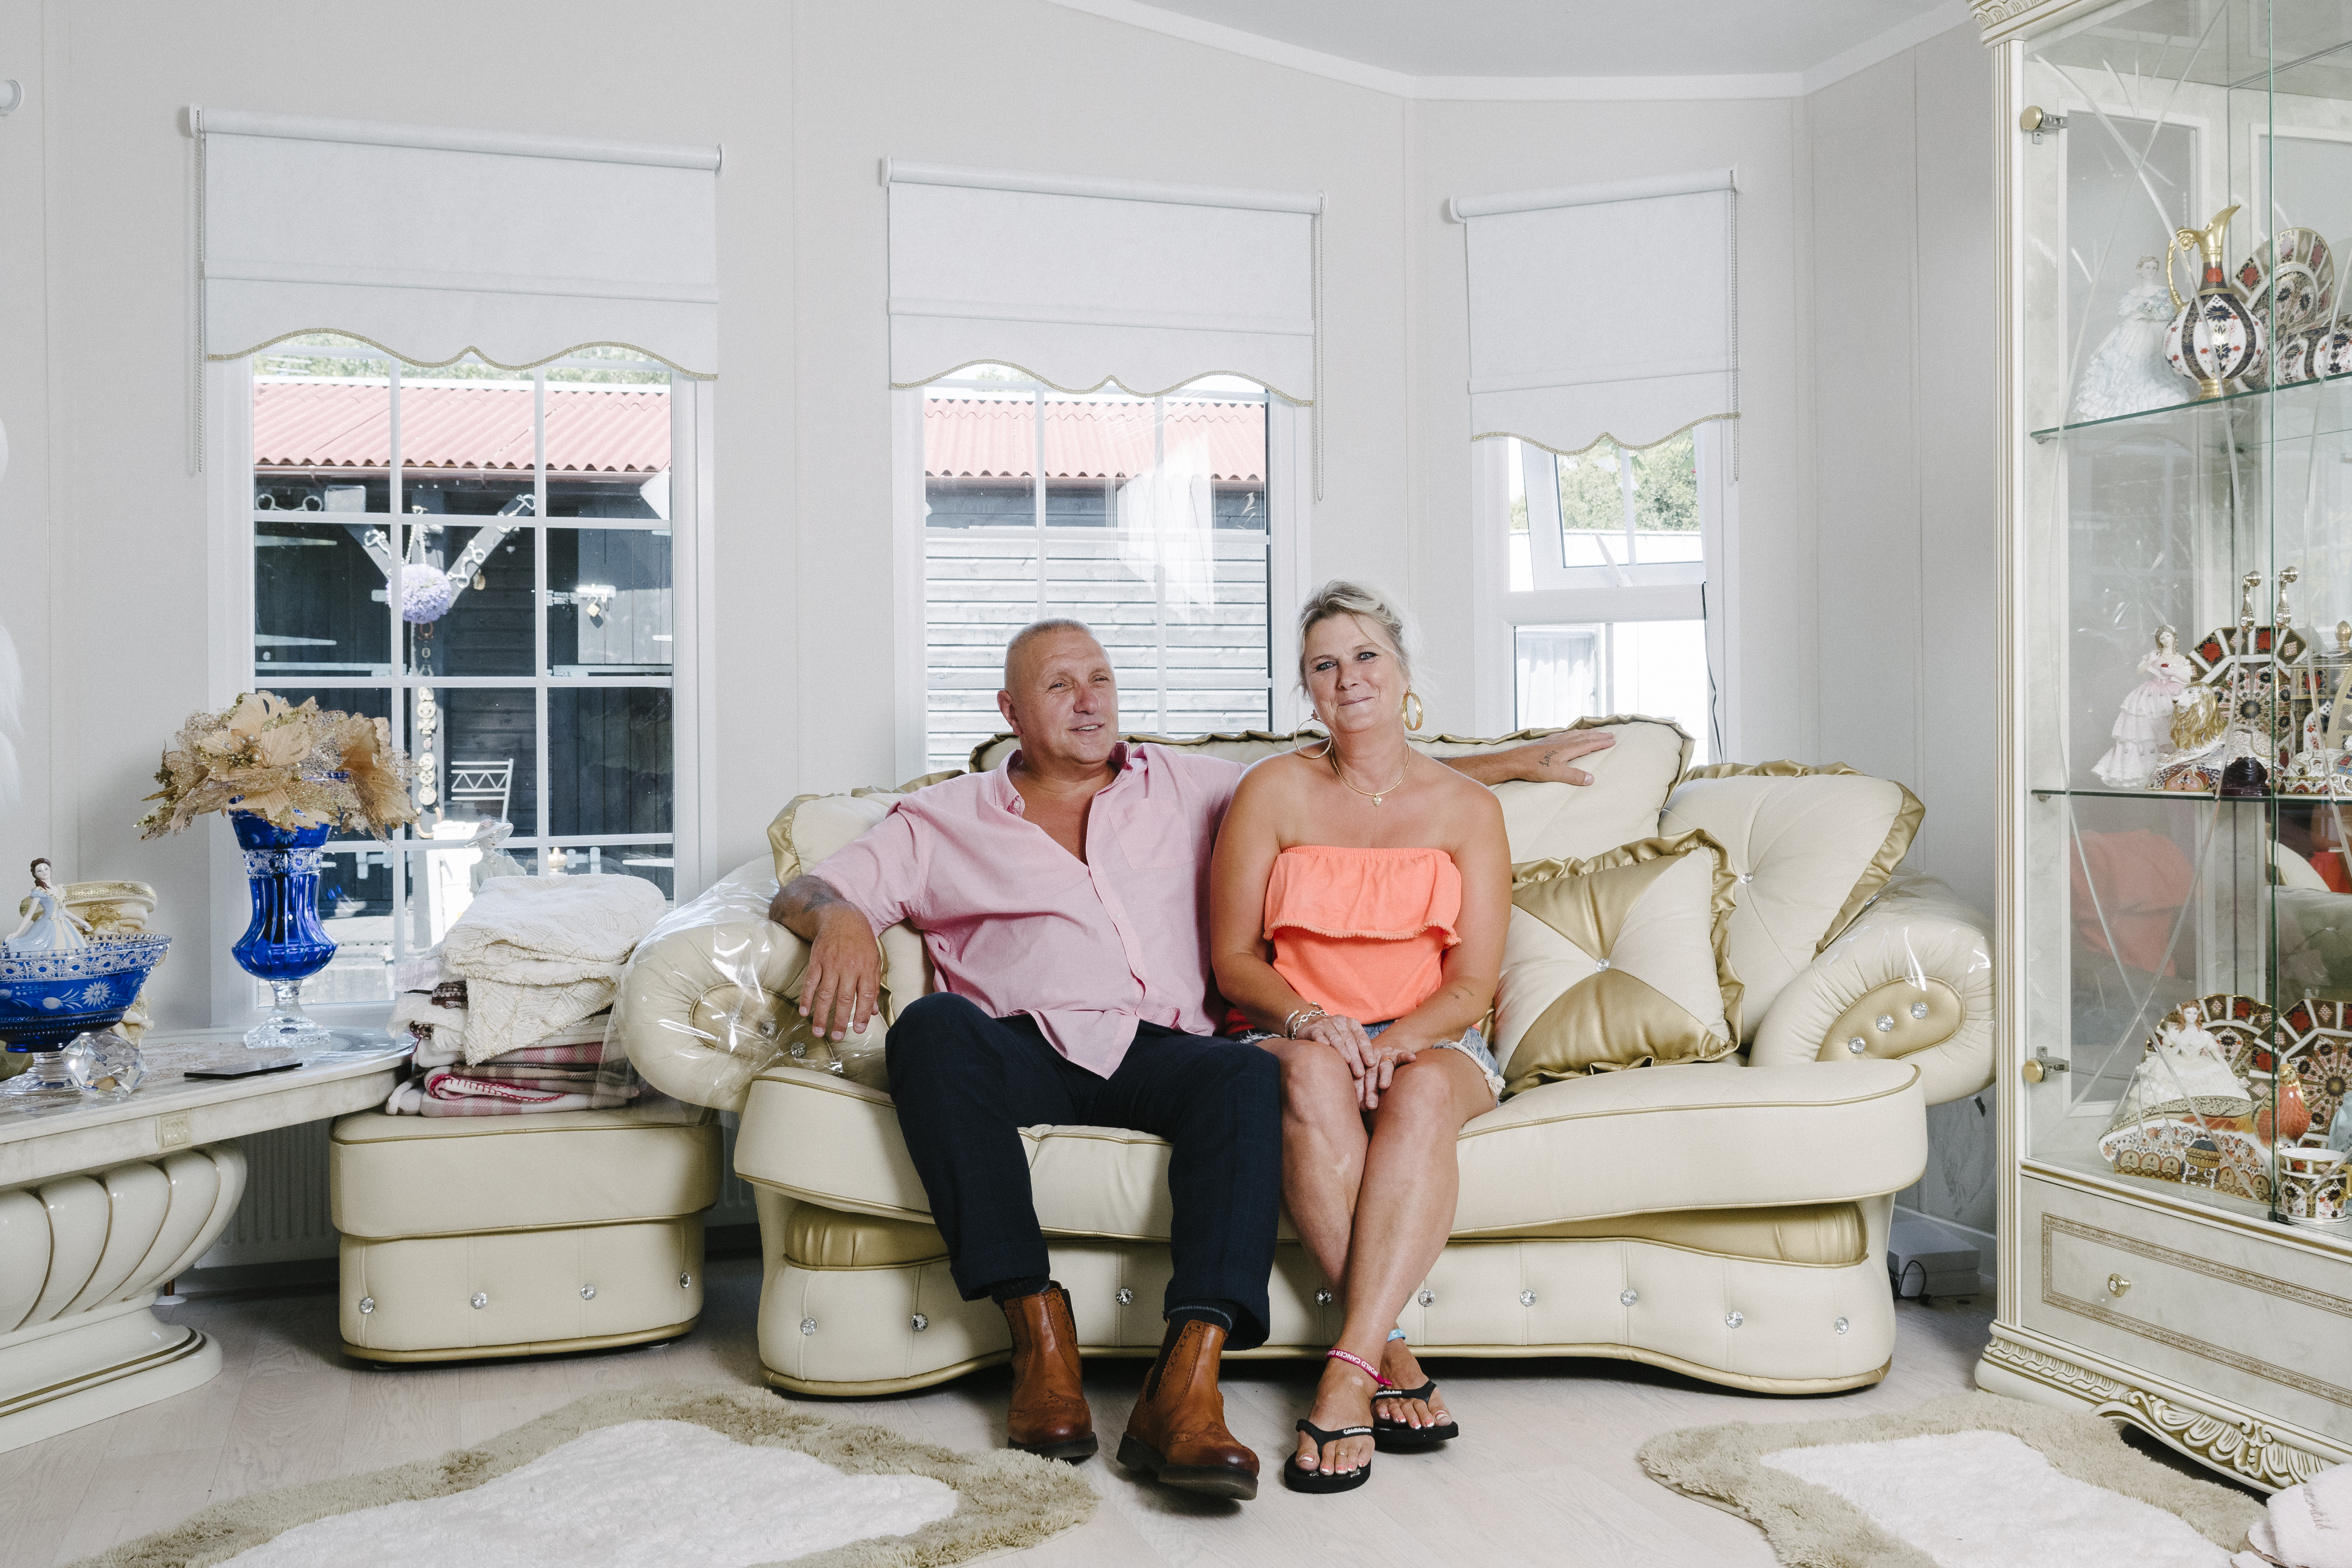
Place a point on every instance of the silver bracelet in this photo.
(1305, 1015)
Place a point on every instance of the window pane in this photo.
(317, 600)
(609, 602)
(487, 628)
(1654, 668)
(322, 428)
(1665, 500)
(480, 763)
(1156, 536)
(1514, 461)
(609, 761)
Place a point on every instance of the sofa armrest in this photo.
(705, 1002)
(1911, 977)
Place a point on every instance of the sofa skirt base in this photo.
(530, 1292)
(546, 1347)
(1767, 1327)
(1794, 1386)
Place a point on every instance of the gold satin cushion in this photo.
(1617, 962)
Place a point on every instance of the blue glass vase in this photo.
(285, 944)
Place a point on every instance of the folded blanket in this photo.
(538, 1074)
(432, 1014)
(445, 1084)
(540, 952)
(558, 1056)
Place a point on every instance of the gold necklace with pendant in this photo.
(1374, 796)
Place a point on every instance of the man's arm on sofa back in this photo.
(844, 966)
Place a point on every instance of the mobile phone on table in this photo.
(248, 1069)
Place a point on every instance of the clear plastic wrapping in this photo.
(711, 999)
(1910, 977)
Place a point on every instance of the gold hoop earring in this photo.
(1412, 710)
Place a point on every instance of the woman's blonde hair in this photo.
(1341, 597)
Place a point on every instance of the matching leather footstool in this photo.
(467, 1237)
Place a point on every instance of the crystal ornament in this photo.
(107, 1065)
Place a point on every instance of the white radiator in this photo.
(284, 1214)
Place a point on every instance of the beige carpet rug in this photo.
(1974, 1481)
(694, 1478)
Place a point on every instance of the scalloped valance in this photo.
(431, 242)
(1081, 281)
(1603, 311)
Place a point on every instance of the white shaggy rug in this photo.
(679, 1477)
(622, 1497)
(1973, 1480)
(1984, 1500)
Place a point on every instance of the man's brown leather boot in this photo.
(1049, 1414)
(1177, 1432)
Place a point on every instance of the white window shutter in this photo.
(1603, 311)
(1082, 281)
(430, 242)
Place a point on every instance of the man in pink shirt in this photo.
(1064, 901)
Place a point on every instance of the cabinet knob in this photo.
(2041, 1065)
(2117, 1284)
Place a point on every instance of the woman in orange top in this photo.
(1357, 904)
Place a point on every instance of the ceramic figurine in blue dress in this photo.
(49, 926)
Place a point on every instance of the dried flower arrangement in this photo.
(296, 766)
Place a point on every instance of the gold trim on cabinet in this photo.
(2269, 1232)
(2242, 1447)
(2055, 1226)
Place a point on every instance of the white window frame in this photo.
(1289, 499)
(1663, 591)
(229, 461)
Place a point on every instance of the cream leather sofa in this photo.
(1725, 1219)
(469, 1237)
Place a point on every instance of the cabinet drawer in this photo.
(2258, 1320)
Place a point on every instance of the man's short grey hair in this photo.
(1034, 630)
(1341, 597)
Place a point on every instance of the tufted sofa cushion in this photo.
(1810, 845)
(1543, 821)
(1692, 1137)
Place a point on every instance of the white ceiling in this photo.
(1434, 45)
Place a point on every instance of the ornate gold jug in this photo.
(2215, 337)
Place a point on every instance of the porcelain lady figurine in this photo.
(2128, 374)
(2189, 1063)
(49, 926)
(2143, 730)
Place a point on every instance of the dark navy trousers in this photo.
(966, 1083)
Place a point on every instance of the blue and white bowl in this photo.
(48, 998)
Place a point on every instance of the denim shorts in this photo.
(1472, 1044)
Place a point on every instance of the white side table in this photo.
(102, 1202)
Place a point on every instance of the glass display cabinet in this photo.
(2176, 921)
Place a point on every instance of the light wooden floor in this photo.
(1544, 1473)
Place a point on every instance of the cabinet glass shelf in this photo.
(2294, 406)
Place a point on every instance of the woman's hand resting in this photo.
(1373, 1061)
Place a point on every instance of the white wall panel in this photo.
(1900, 291)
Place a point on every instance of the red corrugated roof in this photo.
(337, 425)
(989, 438)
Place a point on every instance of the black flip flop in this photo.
(1315, 1481)
(1401, 1437)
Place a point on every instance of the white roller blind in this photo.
(1604, 310)
(429, 242)
(1078, 281)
